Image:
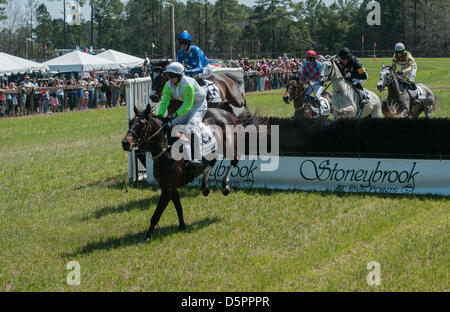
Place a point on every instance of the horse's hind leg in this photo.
(162, 204)
(205, 189)
(226, 179)
(176, 201)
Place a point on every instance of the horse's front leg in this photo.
(162, 204)
(176, 201)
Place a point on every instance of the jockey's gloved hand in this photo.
(355, 81)
(173, 116)
(400, 72)
(348, 75)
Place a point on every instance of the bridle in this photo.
(144, 140)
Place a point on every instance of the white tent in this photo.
(122, 59)
(77, 61)
(13, 65)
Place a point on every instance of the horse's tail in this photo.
(247, 118)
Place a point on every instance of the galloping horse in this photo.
(232, 99)
(295, 91)
(345, 98)
(149, 133)
(399, 98)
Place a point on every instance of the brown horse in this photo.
(149, 133)
(232, 99)
(295, 91)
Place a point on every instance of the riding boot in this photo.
(362, 96)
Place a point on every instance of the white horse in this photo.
(345, 98)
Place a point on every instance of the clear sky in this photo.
(56, 8)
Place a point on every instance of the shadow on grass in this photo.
(136, 238)
(142, 204)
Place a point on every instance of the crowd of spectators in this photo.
(267, 74)
(51, 95)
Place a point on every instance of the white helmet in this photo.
(176, 68)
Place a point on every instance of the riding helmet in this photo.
(344, 53)
(175, 68)
(185, 36)
(399, 47)
(311, 53)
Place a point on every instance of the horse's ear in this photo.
(148, 110)
(136, 111)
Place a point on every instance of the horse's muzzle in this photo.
(286, 99)
(127, 144)
(380, 87)
(155, 98)
(322, 82)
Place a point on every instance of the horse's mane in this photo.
(160, 62)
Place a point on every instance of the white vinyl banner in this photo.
(396, 176)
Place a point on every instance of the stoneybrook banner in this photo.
(396, 176)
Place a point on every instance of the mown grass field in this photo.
(64, 196)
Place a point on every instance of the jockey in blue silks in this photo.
(192, 57)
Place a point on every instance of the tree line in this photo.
(228, 29)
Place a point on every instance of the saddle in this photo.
(212, 92)
(208, 144)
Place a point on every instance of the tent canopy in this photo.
(77, 61)
(13, 65)
(122, 59)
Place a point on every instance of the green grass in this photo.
(64, 196)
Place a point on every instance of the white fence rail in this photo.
(138, 94)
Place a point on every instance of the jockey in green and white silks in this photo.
(191, 113)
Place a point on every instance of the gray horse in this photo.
(399, 102)
(345, 98)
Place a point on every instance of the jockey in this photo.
(354, 71)
(191, 113)
(193, 58)
(311, 74)
(408, 68)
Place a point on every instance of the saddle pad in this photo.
(421, 93)
(213, 92)
(209, 143)
(324, 107)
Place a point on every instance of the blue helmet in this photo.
(185, 35)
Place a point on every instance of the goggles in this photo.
(183, 41)
(171, 75)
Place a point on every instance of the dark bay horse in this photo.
(399, 98)
(232, 99)
(295, 91)
(149, 133)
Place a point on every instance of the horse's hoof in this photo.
(182, 227)
(226, 190)
(147, 240)
(205, 191)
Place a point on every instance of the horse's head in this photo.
(386, 77)
(141, 127)
(159, 80)
(326, 70)
(291, 90)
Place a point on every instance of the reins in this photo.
(141, 141)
